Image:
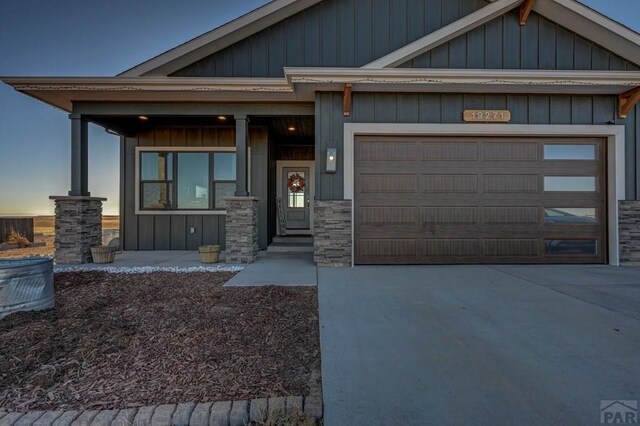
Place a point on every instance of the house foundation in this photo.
(629, 224)
(242, 229)
(78, 227)
(332, 233)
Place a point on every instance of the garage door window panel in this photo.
(570, 184)
(571, 247)
(570, 216)
(570, 152)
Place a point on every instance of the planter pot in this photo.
(103, 254)
(209, 254)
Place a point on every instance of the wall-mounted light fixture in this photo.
(332, 160)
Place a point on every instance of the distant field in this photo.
(44, 228)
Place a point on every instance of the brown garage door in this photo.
(425, 200)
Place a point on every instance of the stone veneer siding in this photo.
(332, 245)
(629, 223)
(78, 227)
(242, 229)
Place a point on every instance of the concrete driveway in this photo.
(478, 345)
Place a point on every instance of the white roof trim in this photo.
(219, 38)
(445, 34)
(593, 26)
(571, 14)
(530, 81)
(301, 85)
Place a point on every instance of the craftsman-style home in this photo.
(392, 131)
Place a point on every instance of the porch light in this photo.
(143, 117)
(222, 118)
(292, 129)
(332, 160)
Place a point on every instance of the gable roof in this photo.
(570, 13)
(219, 38)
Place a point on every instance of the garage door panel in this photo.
(512, 183)
(389, 215)
(452, 183)
(511, 215)
(388, 183)
(449, 215)
(451, 247)
(443, 151)
(479, 200)
(511, 151)
(520, 247)
(385, 151)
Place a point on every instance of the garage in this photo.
(473, 200)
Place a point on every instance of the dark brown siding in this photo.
(171, 232)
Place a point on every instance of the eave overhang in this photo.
(301, 85)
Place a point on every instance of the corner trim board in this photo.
(615, 136)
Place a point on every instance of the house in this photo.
(393, 131)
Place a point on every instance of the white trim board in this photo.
(615, 136)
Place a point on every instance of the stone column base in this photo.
(242, 229)
(78, 228)
(629, 225)
(332, 245)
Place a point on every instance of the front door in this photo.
(296, 197)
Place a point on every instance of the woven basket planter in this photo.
(209, 254)
(103, 254)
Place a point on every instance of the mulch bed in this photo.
(117, 341)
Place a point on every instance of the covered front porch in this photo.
(193, 175)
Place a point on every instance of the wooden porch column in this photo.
(79, 156)
(242, 142)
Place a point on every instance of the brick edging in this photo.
(225, 413)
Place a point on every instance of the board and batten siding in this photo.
(333, 33)
(171, 232)
(503, 44)
(448, 108)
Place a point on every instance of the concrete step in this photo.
(303, 239)
(290, 248)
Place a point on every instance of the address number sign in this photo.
(487, 116)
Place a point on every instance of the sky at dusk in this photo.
(101, 38)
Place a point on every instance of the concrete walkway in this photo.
(478, 345)
(159, 258)
(280, 269)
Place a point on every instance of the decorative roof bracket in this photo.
(627, 101)
(525, 11)
(346, 100)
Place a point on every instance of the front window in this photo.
(156, 183)
(191, 180)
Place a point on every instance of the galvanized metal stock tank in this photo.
(26, 285)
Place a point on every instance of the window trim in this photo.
(177, 149)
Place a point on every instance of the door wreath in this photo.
(296, 183)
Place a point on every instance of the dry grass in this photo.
(14, 237)
(44, 228)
